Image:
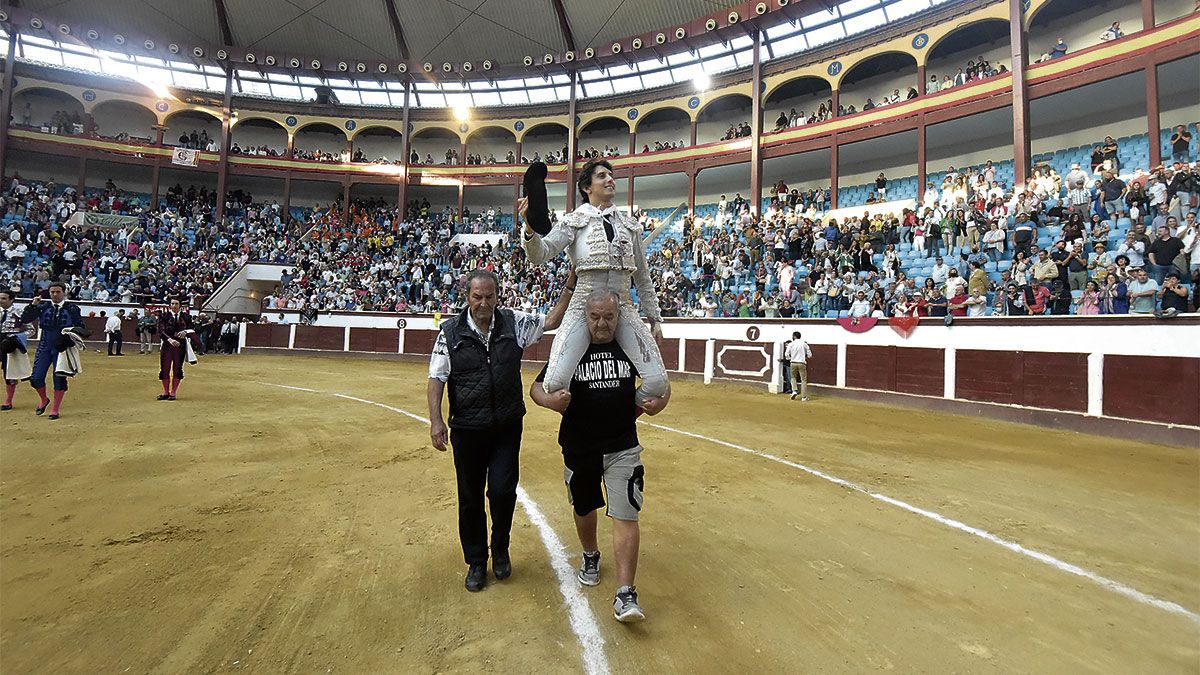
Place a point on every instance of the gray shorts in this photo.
(623, 476)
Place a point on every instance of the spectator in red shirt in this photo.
(958, 303)
(1036, 296)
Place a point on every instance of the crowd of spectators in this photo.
(177, 251)
(659, 146)
(974, 70)
(791, 262)
(381, 262)
(739, 130)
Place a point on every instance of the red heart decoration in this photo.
(904, 325)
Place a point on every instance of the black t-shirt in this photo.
(1174, 300)
(1181, 144)
(602, 415)
(1165, 251)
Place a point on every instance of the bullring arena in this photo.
(969, 224)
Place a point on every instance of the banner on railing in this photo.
(184, 156)
(104, 221)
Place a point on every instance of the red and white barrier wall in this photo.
(1113, 368)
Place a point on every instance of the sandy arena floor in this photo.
(253, 527)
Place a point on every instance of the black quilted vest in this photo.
(485, 384)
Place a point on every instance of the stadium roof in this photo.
(504, 31)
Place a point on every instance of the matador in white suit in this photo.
(604, 246)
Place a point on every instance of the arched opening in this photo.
(258, 137)
(49, 110)
(604, 137)
(860, 164)
(663, 129)
(884, 79)
(435, 145)
(1080, 24)
(193, 129)
(803, 174)
(724, 118)
(804, 100)
(125, 120)
(970, 52)
(548, 139)
(320, 142)
(486, 208)
(490, 145)
(731, 182)
(379, 145)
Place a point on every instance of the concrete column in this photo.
(1152, 119)
(6, 96)
(287, 194)
(921, 80)
(756, 113)
(572, 141)
(292, 336)
(833, 171)
(682, 354)
(921, 166)
(693, 133)
(346, 340)
(154, 178)
(1020, 98)
(402, 197)
(81, 176)
(691, 199)
(223, 162)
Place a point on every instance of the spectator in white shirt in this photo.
(112, 328)
(797, 353)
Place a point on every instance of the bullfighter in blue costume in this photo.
(53, 318)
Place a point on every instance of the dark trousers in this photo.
(486, 459)
(115, 342)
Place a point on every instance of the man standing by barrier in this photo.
(598, 435)
(112, 328)
(478, 357)
(53, 318)
(145, 328)
(798, 353)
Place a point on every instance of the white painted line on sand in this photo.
(1115, 586)
(579, 612)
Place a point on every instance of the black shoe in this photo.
(164, 397)
(171, 397)
(5, 407)
(476, 578)
(53, 416)
(501, 568)
(40, 409)
(538, 213)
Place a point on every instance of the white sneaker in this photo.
(804, 399)
(625, 607)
